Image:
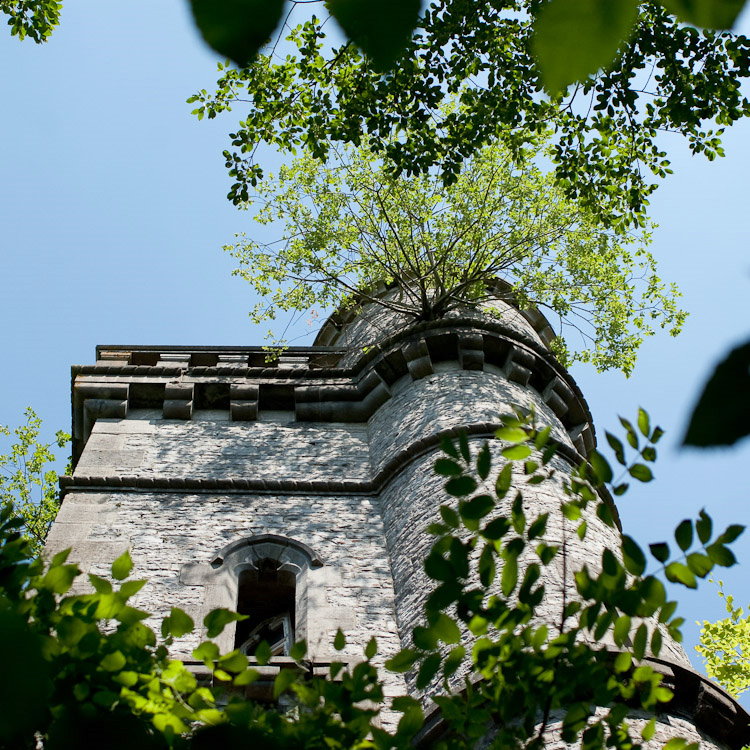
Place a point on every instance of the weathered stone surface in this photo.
(338, 460)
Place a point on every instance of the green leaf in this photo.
(639, 641)
(486, 566)
(699, 563)
(484, 462)
(113, 662)
(660, 550)
(237, 29)
(496, 529)
(632, 556)
(641, 472)
(438, 568)
(207, 652)
(509, 576)
(217, 619)
(284, 680)
(683, 534)
(710, 14)
(263, 653)
(679, 573)
(450, 516)
(721, 555)
(424, 638)
(371, 648)
(630, 434)
(177, 624)
(502, 483)
(575, 38)
(428, 669)
(101, 585)
(623, 661)
(248, 677)
(60, 578)
(704, 526)
(516, 452)
(600, 466)
(476, 508)
(339, 640)
(463, 446)
(622, 629)
(298, 650)
(538, 527)
(617, 447)
(460, 486)
(542, 437)
(446, 629)
(656, 642)
(722, 414)
(380, 28)
(512, 434)
(449, 447)
(234, 661)
(447, 468)
(731, 533)
(644, 424)
(122, 566)
(403, 661)
(649, 730)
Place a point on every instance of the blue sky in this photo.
(113, 214)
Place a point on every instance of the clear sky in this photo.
(113, 213)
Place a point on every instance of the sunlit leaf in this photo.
(575, 38)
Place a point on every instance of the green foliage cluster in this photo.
(35, 19)
(28, 484)
(87, 664)
(348, 227)
(725, 646)
(667, 77)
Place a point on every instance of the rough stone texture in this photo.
(175, 448)
(373, 489)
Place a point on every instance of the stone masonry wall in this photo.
(359, 492)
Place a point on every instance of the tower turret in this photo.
(299, 491)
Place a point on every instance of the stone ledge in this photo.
(367, 486)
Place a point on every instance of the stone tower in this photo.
(298, 492)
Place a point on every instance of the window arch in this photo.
(268, 576)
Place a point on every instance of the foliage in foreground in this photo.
(572, 38)
(311, 93)
(32, 19)
(349, 227)
(725, 646)
(86, 665)
(28, 483)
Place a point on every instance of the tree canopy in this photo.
(32, 19)
(348, 227)
(607, 154)
(28, 481)
(725, 646)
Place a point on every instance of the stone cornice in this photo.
(327, 394)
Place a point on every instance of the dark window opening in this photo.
(267, 596)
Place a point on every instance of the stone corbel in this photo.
(243, 402)
(178, 401)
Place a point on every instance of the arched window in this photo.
(267, 595)
(265, 578)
